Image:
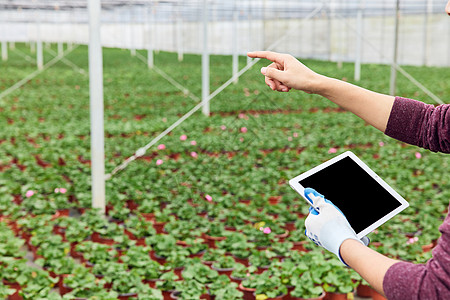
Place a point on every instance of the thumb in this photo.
(273, 73)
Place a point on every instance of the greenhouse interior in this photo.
(146, 154)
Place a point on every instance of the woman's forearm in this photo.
(372, 107)
(371, 265)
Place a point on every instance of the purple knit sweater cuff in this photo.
(420, 124)
(403, 122)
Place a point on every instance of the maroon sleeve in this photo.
(420, 124)
(426, 126)
(404, 281)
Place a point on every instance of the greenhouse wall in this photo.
(330, 35)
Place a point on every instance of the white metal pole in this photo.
(425, 32)
(96, 106)
(131, 26)
(205, 61)
(179, 33)
(250, 33)
(393, 80)
(39, 50)
(235, 41)
(150, 24)
(4, 50)
(359, 37)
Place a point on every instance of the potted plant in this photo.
(82, 294)
(199, 272)
(118, 214)
(177, 259)
(107, 270)
(224, 265)
(261, 259)
(81, 279)
(223, 289)
(147, 209)
(94, 252)
(6, 291)
(281, 249)
(269, 287)
(239, 273)
(150, 294)
(189, 289)
(127, 284)
(161, 219)
(211, 255)
(163, 245)
(339, 280)
(167, 284)
(216, 233)
(107, 233)
(9, 244)
(77, 232)
(306, 288)
(299, 241)
(40, 283)
(123, 244)
(196, 247)
(138, 228)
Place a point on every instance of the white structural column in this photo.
(426, 16)
(39, 49)
(205, 61)
(4, 50)
(235, 40)
(150, 24)
(179, 32)
(359, 37)
(393, 81)
(96, 106)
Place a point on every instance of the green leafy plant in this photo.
(304, 287)
(189, 289)
(224, 289)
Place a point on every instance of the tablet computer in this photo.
(366, 200)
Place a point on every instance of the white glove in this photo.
(326, 225)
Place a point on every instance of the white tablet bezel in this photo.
(294, 183)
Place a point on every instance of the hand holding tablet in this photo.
(364, 198)
(326, 225)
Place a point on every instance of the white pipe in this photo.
(393, 81)
(4, 50)
(235, 41)
(96, 106)
(359, 34)
(39, 51)
(205, 61)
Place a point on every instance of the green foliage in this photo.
(45, 146)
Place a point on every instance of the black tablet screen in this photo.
(363, 200)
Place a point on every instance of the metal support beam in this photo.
(359, 37)
(4, 50)
(96, 106)
(235, 40)
(393, 81)
(205, 61)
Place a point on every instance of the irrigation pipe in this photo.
(141, 151)
(20, 83)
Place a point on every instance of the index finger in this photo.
(272, 56)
